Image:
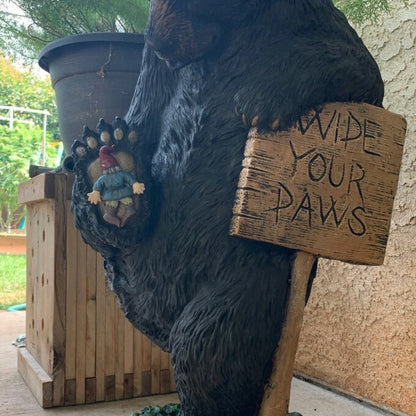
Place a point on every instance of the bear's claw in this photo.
(109, 175)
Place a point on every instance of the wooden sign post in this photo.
(325, 187)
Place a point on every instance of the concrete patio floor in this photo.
(16, 398)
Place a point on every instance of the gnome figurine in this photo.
(113, 188)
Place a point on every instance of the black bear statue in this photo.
(211, 70)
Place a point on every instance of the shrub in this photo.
(19, 147)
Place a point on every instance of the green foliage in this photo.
(171, 409)
(37, 22)
(23, 144)
(22, 88)
(12, 280)
(41, 21)
(359, 11)
(19, 147)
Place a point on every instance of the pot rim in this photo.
(85, 38)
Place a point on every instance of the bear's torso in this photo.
(196, 165)
(197, 160)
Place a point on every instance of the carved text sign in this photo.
(325, 186)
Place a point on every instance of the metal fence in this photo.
(12, 119)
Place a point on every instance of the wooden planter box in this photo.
(80, 347)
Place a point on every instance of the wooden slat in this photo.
(119, 352)
(31, 267)
(164, 360)
(39, 382)
(146, 383)
(37, 189)
(146, 353)
(172, 379)
(128, 347)
(109, 339)
(70, 392)
(81, 321)
(70, 178)
(164, 381)
(100, 331)
(90, 348)
(110, 388)
(57, 249)
(128, 386)
(138, 362)
(164, 372)
(146, 366)
(155, 369)
(45, 282)
(325, 186)
(34, 345)
(90, 390)
(71, 303)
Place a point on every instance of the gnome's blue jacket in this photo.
(115, 186)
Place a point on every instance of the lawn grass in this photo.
(12, 280)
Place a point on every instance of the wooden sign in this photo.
(326, 186)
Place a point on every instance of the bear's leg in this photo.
(222, 346)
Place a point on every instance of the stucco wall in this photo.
(359, 333)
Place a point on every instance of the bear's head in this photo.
(183, 31)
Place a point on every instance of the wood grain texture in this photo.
(71, 304)
(90, 390)
(91, 296)
(155, 369)
(326, 186)
(119, 353)
(57, 247)
(100, 328)
(277, 392)
(138, 362)
(36, 189)
(31, 267)
(128, 347)
(70, 392)
(81, 328)
(76, 333)
(40, 383)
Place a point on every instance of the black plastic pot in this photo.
(94, 76)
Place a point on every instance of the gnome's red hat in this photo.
(107, 160)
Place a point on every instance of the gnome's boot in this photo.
(110, 215)
(128, 213)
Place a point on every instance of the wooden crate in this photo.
(80, 347)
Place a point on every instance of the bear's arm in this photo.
(154, 90)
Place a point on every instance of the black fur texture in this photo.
(216, 302)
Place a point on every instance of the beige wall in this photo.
(359, 333)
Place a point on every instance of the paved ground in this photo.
(16, 399)
(311, 400)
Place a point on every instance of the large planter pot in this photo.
(94, 76)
